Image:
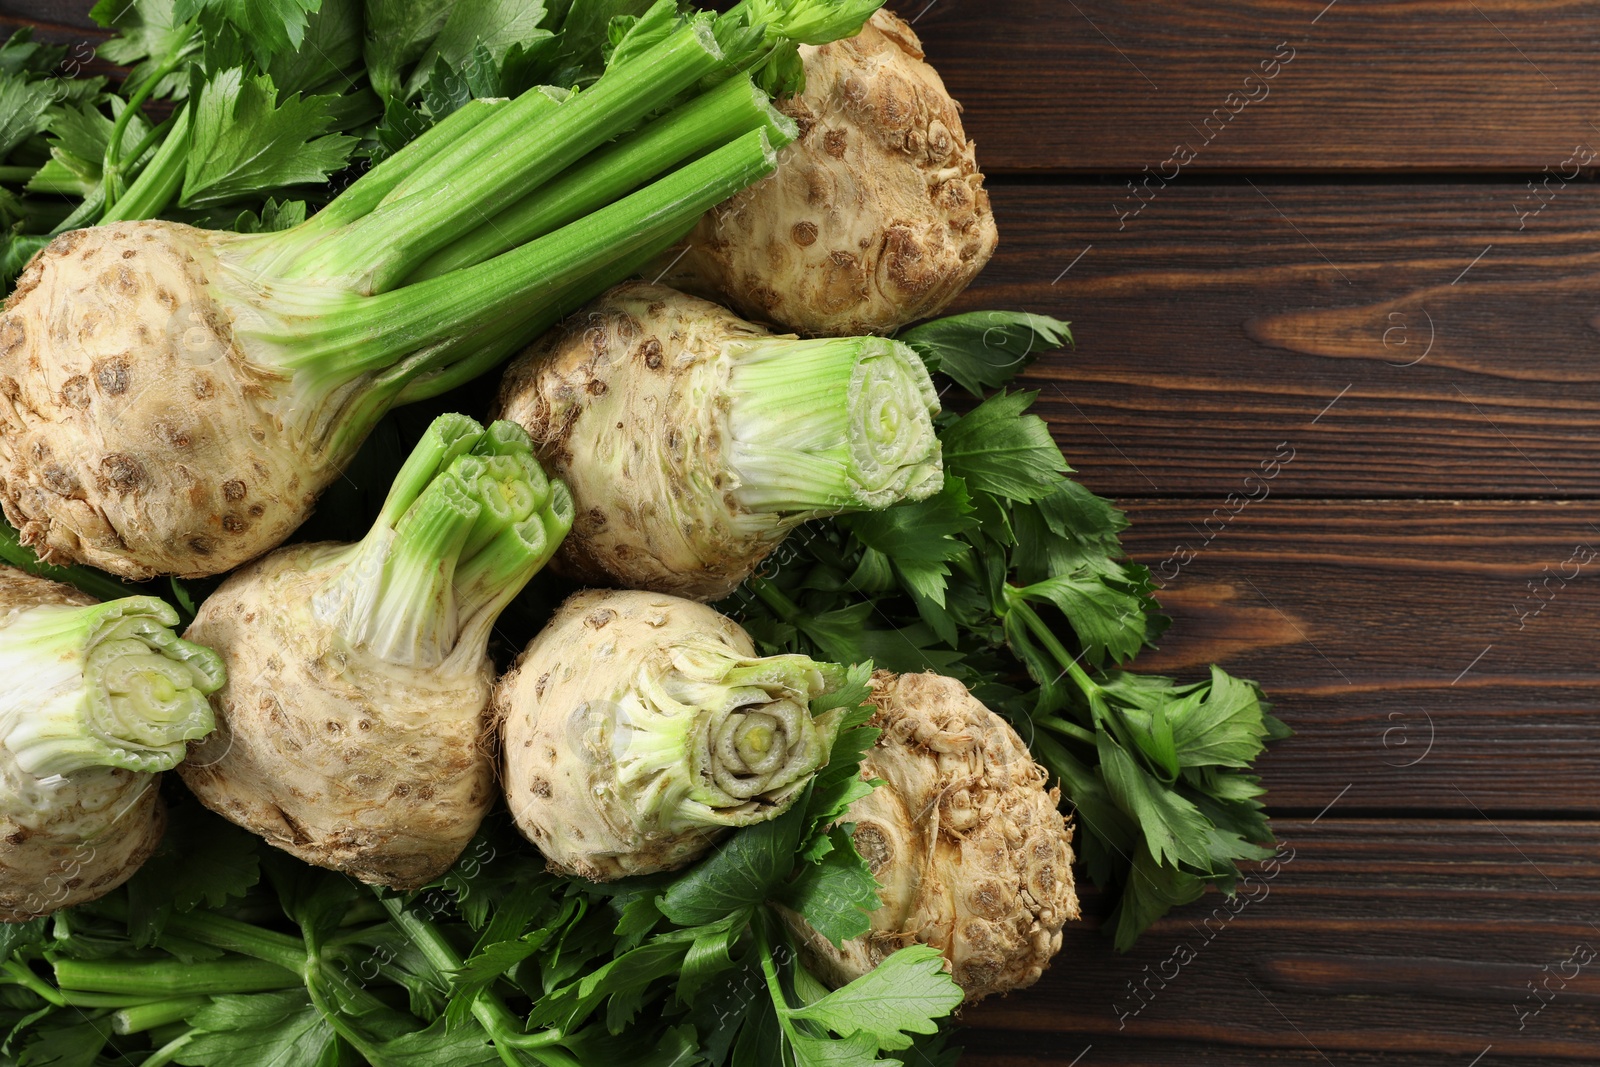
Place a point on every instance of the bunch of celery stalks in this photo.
(572, 814)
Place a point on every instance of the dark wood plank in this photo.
(1099, 85)
(1424, 86)
(1413, 940)
(1226, 319)
(1400, 639)
(58, 21)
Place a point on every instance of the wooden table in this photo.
(1362, 236)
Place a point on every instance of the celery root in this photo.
(353, 731)
(100, 698)
(972, 855)
(172, 400)
(694, 441)
(877, 215)
(638, 728)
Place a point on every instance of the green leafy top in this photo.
(1011, 578)
(243, 142)
(497, 961)
(1012, 575)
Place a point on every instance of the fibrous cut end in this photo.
(971, 851)
(638, 728)
(694, 440)
(877, 216)
(627, 403)
(78, 836)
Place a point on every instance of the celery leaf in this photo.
(743, 870)
(1106, 610)
(1002, 451)
(267, 26)
(903, 995)
(1028, 578)
(244, 143)
(149, 32)
(985, 349)
(259, 1030)
(836, 893)
(328, 54)
(1152, 890)
(398, 32)
(24, 107)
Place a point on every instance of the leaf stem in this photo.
(171, 978)
(490, 1011)
(417, 331)
(138, 1018)
(231, 935)
(166, 1053)
(1069, 663)
(505, 157)
(111, 166)
(1066, 729)
(368, 191)
(508, 332)
(158, 182)
(773, 597)
(769, 968)
(156, 133)
(704, 123)
(23, 976)
(338, 1020)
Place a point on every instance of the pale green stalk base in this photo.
(141, 1017)
(469, 520)
(722, 740)
(103, 685)
(704, 123)
(831, 425)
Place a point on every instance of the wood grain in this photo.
(1411, 940)
(1099, 86)
(1096, 86)
(1410, 339)
(50, 20)
(1226, 319)
(1400, 639)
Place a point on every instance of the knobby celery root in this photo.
(694, 441)
(970, 850)
(353, 731)
(100, 698)
(172, 400)
(877, 215)
(638, 728)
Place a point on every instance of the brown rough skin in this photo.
(877, 215)
(626, 442)
(144, 449)
(969, 846)
(329, 753)
(75, 839)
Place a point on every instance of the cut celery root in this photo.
(639, 728)
(353, 731)
(877, 216)
(100, 698)
(970, 850)
(694, 441)
(173, 400)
